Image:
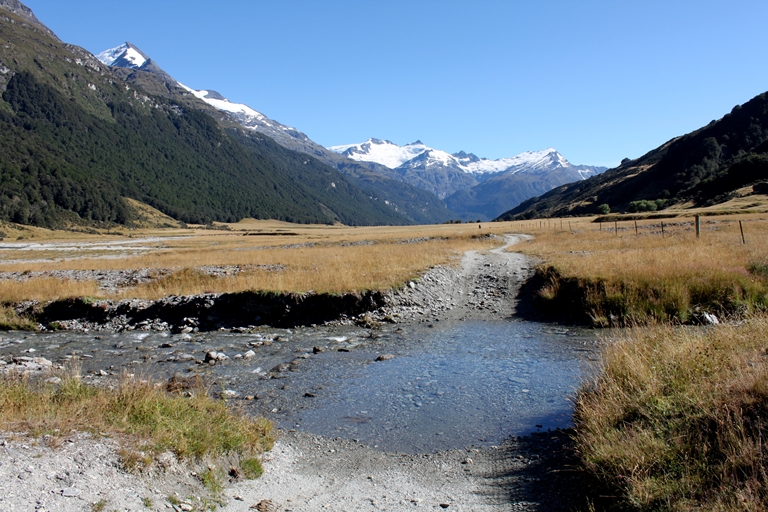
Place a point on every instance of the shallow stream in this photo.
(450, 385)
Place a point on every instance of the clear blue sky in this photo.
(597, 80)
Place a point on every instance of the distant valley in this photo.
(83, 135)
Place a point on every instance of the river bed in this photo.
(435, 386)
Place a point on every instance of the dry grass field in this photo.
(271, 255)
(654, 269)
(676, 419)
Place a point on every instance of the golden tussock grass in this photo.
(324, 259)
(329, 269)
(644, 275)
(48, 288)
(677, 418)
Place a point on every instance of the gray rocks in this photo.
(70, 492)
(214, 357)
(27, 364)
(267, 506)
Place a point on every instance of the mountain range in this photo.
(473, 187)
(139, 70)
(79, 134)
(77, 137)
(390, 168)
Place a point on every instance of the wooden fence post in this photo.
(635, 228)
(698, 226)
(743, 240)
(662, 229)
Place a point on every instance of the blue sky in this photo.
(597, 80)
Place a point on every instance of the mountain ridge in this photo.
(703, 167)
(460, 178)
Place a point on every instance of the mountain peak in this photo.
(124, 56)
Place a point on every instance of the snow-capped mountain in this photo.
(444, 173)
(390, 170)
(124, 56)
(244, 114)
(129, 56)
(417, 204)
(382, 152)
(393, 156)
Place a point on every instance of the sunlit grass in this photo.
(142, 415)
(627, 275)
(676, 418)
(321, 259)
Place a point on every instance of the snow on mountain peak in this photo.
(383, 152)
(393, 156)
(126, 56)
(219, 102)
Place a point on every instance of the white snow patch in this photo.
(109, 57)
(225, 104)
(382, 152)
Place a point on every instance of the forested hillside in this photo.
(75, 139)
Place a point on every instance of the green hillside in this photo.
(415, 204)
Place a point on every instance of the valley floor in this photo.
(304, 472)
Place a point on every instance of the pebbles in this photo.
(483, 287)
(25, 365)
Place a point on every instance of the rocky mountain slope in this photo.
(702, 168)
(137, 68)
(473, 187)
(77, 138)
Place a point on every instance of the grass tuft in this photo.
(252, 468)
(11, 321)
(143, 415)
(677, 418)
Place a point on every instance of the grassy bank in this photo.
(677, 418)
(633, 274)
(147, 418)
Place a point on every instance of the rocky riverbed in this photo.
(304, 471)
